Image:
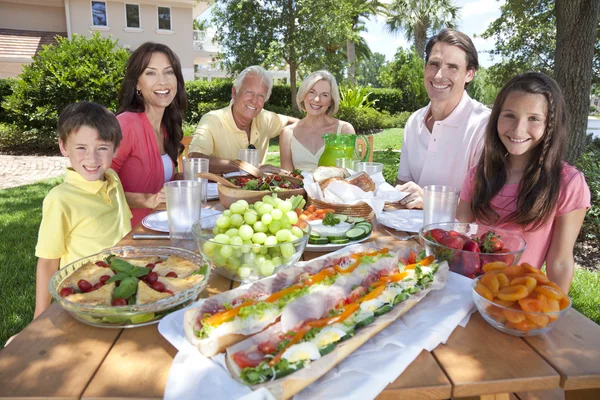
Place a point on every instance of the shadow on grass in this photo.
(20, 216)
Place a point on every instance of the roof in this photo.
(20, 44)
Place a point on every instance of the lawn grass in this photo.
(584, 293)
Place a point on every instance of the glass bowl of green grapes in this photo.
(250, 242)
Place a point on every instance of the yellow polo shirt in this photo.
(218, 135)
(81, 217)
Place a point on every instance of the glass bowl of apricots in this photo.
(518, 299)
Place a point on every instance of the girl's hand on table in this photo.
(415, 197)
(158, 198)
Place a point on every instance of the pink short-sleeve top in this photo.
(574, 195)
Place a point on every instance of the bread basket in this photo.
(361, 209)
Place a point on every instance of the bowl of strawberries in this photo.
(469, 246)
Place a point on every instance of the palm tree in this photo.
(417, 18)
(360, 8)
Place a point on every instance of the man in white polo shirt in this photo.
(445, 139)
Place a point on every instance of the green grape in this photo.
(222, 239)
(236, 241)
(274, 251)
(259, 238)
(260, 259)
(233, 264)
(267, 268)
(244, 272)
(292, 217)
(266, 219)
(287, 250)
(270, 240)
(237, 252)
(227, 213)
(237, 220)
(257, 205)
(284, 235)
(218, 260)
(260, 227)
(226, 251)
(249, 258)
(269, 200)
(276, 261)
(285, 206)
(297, 232)
(265, 209)
(237, 208)
(274, 227)
(208, 248)
(264, 251)
(276, 214)
(216, 230)
(223, 222)
(285, 222)
(243, 203)
(232, 232)
(246, 232)
(250, 217)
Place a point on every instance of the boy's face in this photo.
(90, 156)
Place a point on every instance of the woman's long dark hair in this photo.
(540, 184)
(129, 100)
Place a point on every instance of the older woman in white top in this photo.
(301, 144)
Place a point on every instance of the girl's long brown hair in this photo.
(540, 184)
(129, 100)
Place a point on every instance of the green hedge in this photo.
(589, 164)
(6, 89)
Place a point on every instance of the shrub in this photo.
(218, 91)
(403, 118)
(72, 70)
(366, 120)
(205, 107)
(589, 164)
(356, 97)
(5, 91)
(390, 100)
(281, 96)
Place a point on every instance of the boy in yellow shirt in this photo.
(88, 212)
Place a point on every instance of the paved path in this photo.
(23, 170)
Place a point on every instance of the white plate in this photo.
(158, 221)
(331, 246)
(402, 220)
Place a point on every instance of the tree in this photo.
(527, 36)
(420, 18)
(270, 32)
(482, 88)
(406, 73)
(368, 70)
(576, 37)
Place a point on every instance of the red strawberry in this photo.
(437, 234)
(508, 258)
(471, 245)
(454, 242)
(470, 264)
(454, 233)
(490, 242)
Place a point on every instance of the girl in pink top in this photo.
(151, 104)
(521, 182)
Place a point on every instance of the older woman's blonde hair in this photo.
(310, 81)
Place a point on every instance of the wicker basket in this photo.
(361, 209)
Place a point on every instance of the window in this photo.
(164, 18)
(99, 13)
(132, 15)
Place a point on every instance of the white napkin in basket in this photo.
(367, 371)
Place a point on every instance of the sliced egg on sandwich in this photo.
(301, 352)
(327, 336)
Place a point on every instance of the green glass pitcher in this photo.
(344, 146)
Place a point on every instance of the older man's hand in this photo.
(415, 197)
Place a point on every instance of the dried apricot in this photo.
(555, 286)
(539, 277)
(503, 303)
(549, 292)
(540, 320)
(551, 306)
(511, 325)
(527, 281)
(514, 271)
(491, 282)
(514, 316)
(502, 280)
(516, 292)
(494, 266)
(484, 291)
(564, 302)
(530, 305)
(496, 313)
(530, 268)
(525, 326)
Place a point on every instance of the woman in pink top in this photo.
(151, 104)
(521, 182)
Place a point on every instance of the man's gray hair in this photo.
(260, 72)
(310, 81)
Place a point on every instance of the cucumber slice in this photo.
(327, 349)
(341, 217)
(319, 240)
(314, 235)
(366, 226)
(336, 238)
(383, 310)
(356, 233)
(400, 298)
(339, 241)
(364, 322)
(356, 220)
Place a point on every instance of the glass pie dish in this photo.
(133, 315)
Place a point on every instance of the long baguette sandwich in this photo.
(285, 360)
(230, 317)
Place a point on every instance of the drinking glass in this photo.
(184, 202)
(371, 168)
(348, 163)
(439, 204)
(251, 156)
(191, 168)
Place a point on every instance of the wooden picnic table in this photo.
(58, 357)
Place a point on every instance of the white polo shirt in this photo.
(444, 156)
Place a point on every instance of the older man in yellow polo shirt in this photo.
(243, 124)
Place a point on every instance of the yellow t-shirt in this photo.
(81, 217)
(218, 135)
